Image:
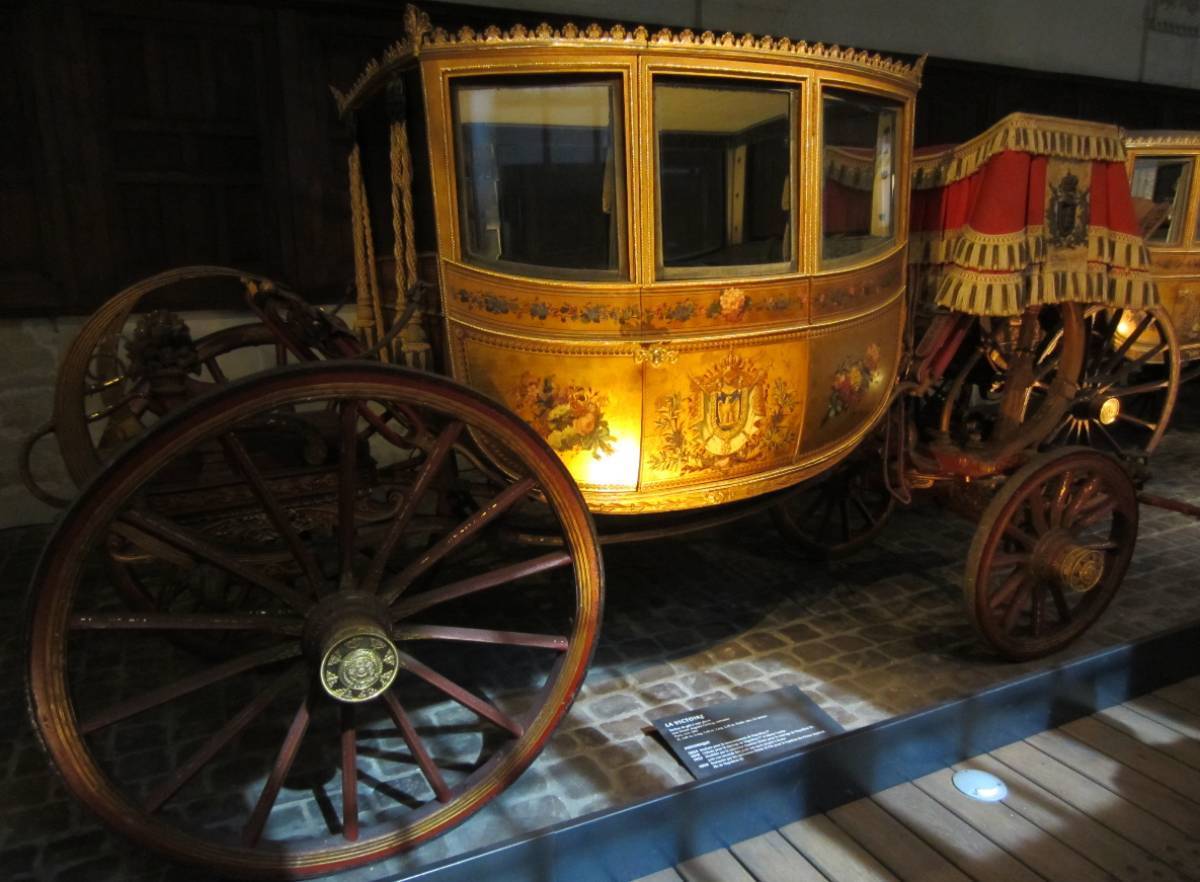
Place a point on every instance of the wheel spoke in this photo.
(1000, 560)
(215, 674)
(860, 504)
(215, 742)
(182, 540)
(1085, 494)
(416, 746)
(236, 452)
(1115, 359)
(349, 774)
(1108, 438)
(1094, 513)
(505, 500)
(1060, 602)
(1007, 589)
(1137, 421)
(481, 582)
(347, 472)
(468, 700)
(156, 621)
(1058, 501)
(1017, 534)
(1140, 388)
(1038, 611)
(214, 370)
(433, 464)
(480, 635)
(1024, 586)
(253, 830)
(1037, 512)
(1149, 354)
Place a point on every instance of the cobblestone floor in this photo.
(688, 622)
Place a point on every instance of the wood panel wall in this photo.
(139, 136)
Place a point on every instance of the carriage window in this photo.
(540, 175)
(859, 192)
(1159, 189)
(724, 177)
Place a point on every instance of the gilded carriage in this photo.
(1162, 174)
(665, 273)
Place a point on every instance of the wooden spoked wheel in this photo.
(387, 669)
(102, 399)
(1050, 552)
(1128, 384)
(835, 517)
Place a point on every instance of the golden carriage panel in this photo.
(1163, 171)
(852, 368)
(584, 399)
(731, 306)
(509, 302)
(857, 291)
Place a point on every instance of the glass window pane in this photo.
(724, 181)
(1159, 188)
(859, 193)
(540, 175)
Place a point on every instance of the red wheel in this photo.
(1128, 384)
(837, 516)
(131, 363)
(385, 670)
(1051, 550)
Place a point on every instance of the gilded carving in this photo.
(732, 416)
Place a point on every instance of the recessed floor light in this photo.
(980, 785)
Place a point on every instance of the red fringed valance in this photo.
(1035, 210)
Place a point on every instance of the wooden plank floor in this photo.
(1113, 796)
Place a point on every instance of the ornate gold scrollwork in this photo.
(655, 354)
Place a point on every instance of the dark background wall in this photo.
(140, 136)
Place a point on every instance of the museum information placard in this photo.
(722, 737)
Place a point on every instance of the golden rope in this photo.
(370, 313)
(362, 315)
(413, 345)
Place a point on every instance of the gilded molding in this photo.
(1165, 139)
(420, 36)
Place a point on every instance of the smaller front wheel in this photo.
(1050, 552)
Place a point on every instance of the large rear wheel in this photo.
(376, 670)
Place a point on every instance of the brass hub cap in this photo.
(1109, 410)
(1079, 569)
(359, 667)
(347, 638)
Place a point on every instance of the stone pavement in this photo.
(688, 622)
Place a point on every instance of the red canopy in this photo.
(1035, 210)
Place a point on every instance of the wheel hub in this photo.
(347, 638)
(1075, 567)
(1104, 409)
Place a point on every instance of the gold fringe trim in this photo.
(1011, 294)
(1025, 132)
(1013, 252)
(420, 35)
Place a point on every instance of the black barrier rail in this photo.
(622, 844)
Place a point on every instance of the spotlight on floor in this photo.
(980, 785)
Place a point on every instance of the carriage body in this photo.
(680, 258)
(1162, 170)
